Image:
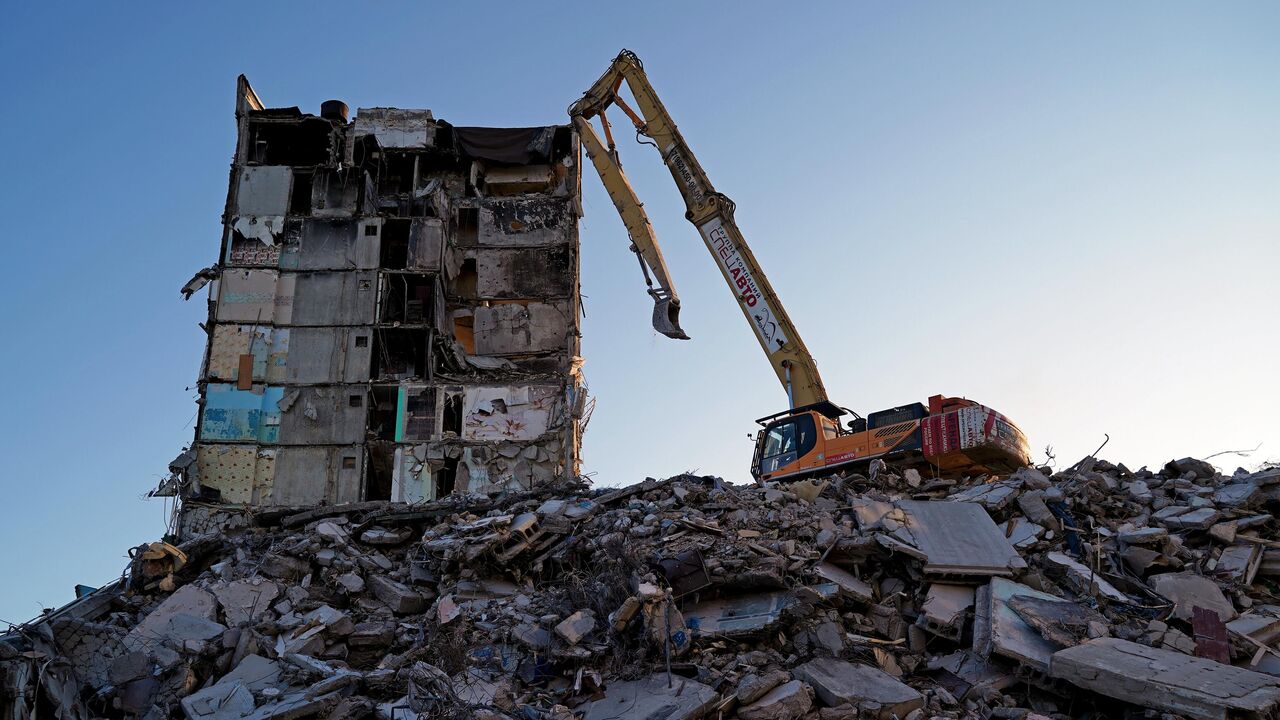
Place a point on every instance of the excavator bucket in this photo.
(666, 318)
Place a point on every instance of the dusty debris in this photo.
(682, 598)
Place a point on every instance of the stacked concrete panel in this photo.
(395, 312)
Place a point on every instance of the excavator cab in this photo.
(786, 441)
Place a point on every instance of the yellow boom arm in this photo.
(709, 211)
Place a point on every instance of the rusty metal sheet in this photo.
(1210, 635)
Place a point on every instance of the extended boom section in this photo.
(951, 436)
(710, 211)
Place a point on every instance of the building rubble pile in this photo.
(896, 596)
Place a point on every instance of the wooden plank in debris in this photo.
(1167, 680)
(1210, 635)
(960, 539)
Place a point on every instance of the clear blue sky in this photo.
(1067, 212)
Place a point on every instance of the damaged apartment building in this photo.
(394, 314)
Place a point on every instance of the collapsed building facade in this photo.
(393, 315)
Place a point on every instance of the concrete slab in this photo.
(997, 629)
(1187, 590)
(244, 601)
(849, 585)
(651, 699)
(187, 600)
(872, 690)
(1167, 680)
(944, 609)
(788, 701)
(742, 615)
(224, 701)
(959, 538)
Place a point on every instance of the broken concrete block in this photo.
(1144, 536)
(351, 582)
(1224, 532)
(400, 598)
(787, 701)
(244, 601)
(188, 600)
(255, 672)
(1022, 533)
(1186, 465)
(1261, 625)
(737, 616)
(533, 636)
(371, 634)
(1083, 580)
(1034, 508)
(1188, 590)
(128, 666)
(1162, 679)
(334, 621)
(849, 585)
(1200, 519)
(447, 610)
(992, 496)
(192, 634)
(945, 609)
(998, 630)
(225, 701)
(284, 567)
(1240, 563)
(309, 641)
(1061, 622)
(874, 691)
(1237, 494)
(753, 687)
(652, 699)
(576, 626)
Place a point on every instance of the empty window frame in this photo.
(395, 244)
(305, 142)
(401, 354)
(407, 298)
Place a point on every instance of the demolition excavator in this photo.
(949, 436)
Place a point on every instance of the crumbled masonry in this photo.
(1093, 591)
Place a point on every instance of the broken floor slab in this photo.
(189, 601)
(244, 601)
(736, 616)
(960, 539)
(1061, 622)
(998, 630)
(1167, 680)
(945, 609)
(652, 699)
(875, 692)
(1083, 580)
(1187, 590)
(788, 701)
(224, 701)
(849, 584)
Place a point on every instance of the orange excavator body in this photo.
(952, 436)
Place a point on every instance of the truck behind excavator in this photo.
(949, 436)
